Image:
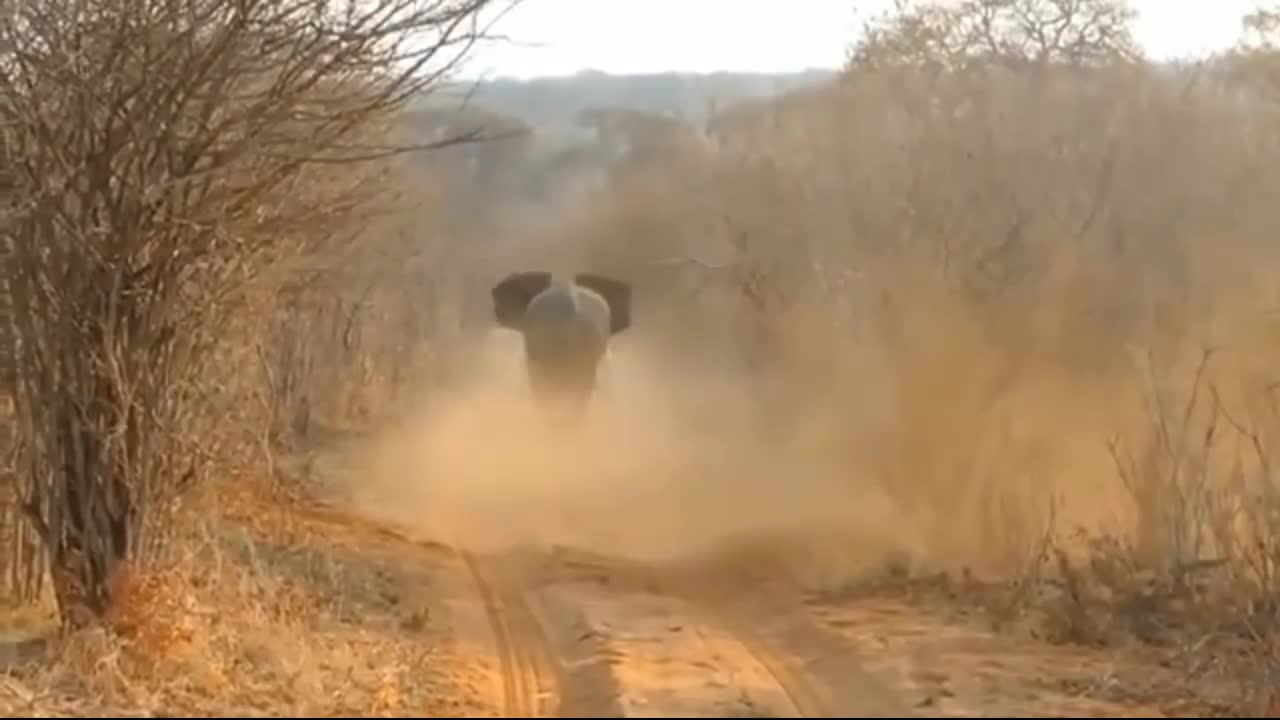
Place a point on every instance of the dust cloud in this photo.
(671, 465)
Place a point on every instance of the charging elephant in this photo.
(566, 325)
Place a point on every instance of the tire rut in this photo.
(530, 686)
(814, 668)
(540, 677)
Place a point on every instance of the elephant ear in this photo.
(513, 294)
(616, 293)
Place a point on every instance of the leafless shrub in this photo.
(968, 231)
(157, 158)
(1170, 479)
(948, 36)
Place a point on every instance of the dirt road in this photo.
(567, 633)
(589, 637)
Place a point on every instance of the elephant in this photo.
(566, 324)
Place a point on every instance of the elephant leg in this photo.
(565, 382)
(563, 388)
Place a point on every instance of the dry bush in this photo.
(938, 36)
(338, 344)
(158, 160)
(963, 265)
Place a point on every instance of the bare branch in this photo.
(158, 159)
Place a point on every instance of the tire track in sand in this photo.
(530, 687)
(539, 678)
(816, 670)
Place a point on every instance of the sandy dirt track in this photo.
(595, 638)
(565, 633)
(577, 635)
(663, 564)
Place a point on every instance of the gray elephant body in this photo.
(566, 326)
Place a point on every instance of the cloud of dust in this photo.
(941, 449)
(672, 465)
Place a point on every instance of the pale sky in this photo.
(560, 37)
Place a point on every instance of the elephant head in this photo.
(566, 325)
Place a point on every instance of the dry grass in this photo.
(264, 612)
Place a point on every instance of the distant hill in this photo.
(550, 104)
(546, 140)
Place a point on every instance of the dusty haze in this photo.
(669, 466)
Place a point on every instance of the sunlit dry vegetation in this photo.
(202, 211)
(1019, 277)
(1004, 270)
